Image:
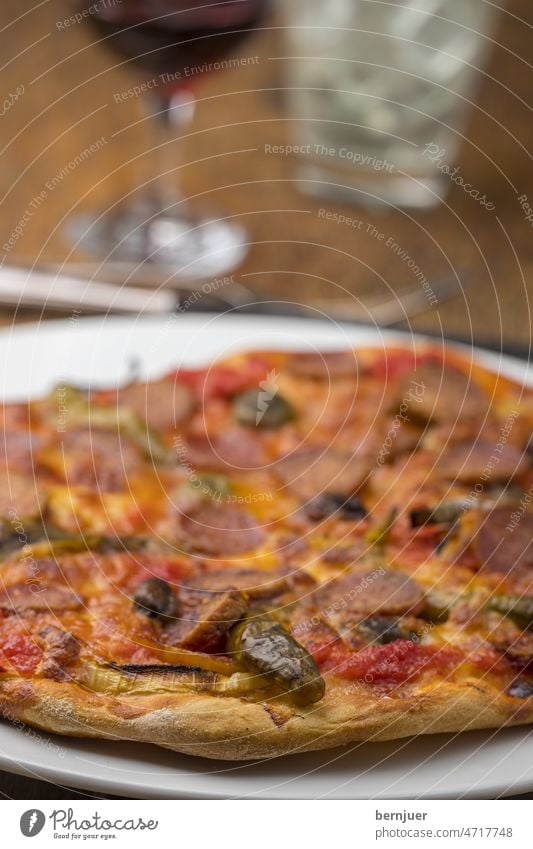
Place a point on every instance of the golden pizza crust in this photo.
(235, 729)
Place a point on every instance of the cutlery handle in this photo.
(25, 288)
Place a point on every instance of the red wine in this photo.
(171, 36)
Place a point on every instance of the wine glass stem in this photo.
(171, 113)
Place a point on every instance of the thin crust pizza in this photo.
(281, 552)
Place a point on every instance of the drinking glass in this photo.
(375, 88)
(172, 42)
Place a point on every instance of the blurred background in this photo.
(349, 152)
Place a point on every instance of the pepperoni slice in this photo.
(322, 366)
(34, 596)
(96, 458)
(502, 543)
(60, 649)
(220, 530)
(470, 462)
(234, 449)
(163, 404)
(399, 440)
(255, 583)
(310, 472)
(441, 393)
(370, 590)
(213, 615)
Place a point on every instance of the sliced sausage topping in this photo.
(211, 620)
(96, 458)
(60, 649)
(236, 449)
(369, 591)
(219, 530)
(255, 583)
(501, 545)
(442, 393)
(468, 461)
(162, 404)
(311, 472)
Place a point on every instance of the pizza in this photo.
(279, 552)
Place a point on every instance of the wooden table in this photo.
(64, 87)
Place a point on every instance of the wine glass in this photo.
(176, 41)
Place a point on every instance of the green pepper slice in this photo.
(519, 608)
(263, 646)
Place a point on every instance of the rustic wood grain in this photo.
(68, 104)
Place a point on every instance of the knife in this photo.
(24, 288)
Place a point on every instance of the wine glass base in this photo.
(193, 248)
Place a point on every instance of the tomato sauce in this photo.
(224, 381)
(394, 663)
(19, 652)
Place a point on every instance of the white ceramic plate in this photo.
(477, 764)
